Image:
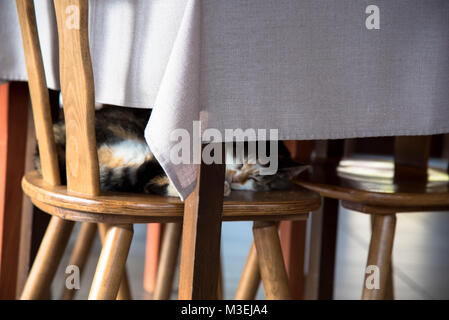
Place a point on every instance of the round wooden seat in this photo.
(369, 186)
(144, 208)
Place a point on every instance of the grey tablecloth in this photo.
(310, 68)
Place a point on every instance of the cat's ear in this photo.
(293, 172)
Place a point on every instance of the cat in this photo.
(127, 164)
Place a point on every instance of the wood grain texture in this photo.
(293, 233)
(386, 192)
(200, 251)
(124, 291)
(14, 101)
(47, 259)
(39, 92)
(241, 205)
(111, 265)
(389, 290)
(271, 263)
(80, 253)
(27, 218)
(293, 241)
(380, 250)
(250, 277)
(77, 89)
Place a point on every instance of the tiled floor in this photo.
(421, 257)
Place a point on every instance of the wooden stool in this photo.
(81, 200)
(382, 189)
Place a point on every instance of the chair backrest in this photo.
(77, 89)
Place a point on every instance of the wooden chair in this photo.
(383, 189)
(115, 213)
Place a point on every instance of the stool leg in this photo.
(167, 261)
(379, 256)
(111, 265)
(271, 262)
(250, 279)
(80, 253)
(124, 292)
(47, 259)
(389, 294)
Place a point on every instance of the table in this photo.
(311, 69)
(317, 64)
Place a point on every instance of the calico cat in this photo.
(127, 164)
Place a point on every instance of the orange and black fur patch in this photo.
(125, 160)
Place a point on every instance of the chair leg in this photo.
(271, 262)
(389, 294)
(80, 253)
(379, 256)
(124, 292)
(112, 262)
(47, 259)
(167, 261)
(250, 279)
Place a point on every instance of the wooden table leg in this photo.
(328, 249)
(293, 233)
(200, 251)
(28, 218)
(333, 152)
(14, 102)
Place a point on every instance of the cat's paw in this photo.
(227, 189)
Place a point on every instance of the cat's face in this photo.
(247, 177)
